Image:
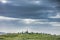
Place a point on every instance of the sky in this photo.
(32, 15)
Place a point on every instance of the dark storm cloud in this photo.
(58, 1)
(58, 7)
(25, 12)
(26, 9)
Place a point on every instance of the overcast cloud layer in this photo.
(34, 15)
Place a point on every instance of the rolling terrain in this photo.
(29, 36)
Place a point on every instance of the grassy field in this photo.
(29, 36)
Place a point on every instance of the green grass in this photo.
(29, 36)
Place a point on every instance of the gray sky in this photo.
(34, 15)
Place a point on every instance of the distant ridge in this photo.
(2, 33)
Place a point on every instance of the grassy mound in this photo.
(29, 36)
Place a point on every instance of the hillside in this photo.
(29, 36)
